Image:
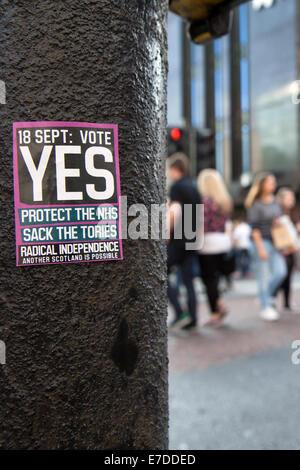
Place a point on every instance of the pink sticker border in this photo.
(18, 205)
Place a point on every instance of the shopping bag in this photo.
(284, 234)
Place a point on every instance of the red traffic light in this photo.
(175, 134)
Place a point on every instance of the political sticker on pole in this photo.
(67, 192)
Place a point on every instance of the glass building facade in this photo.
(273, 73)
(241, 87)
(175, 76)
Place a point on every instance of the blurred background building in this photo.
(231, 102)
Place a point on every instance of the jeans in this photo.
(178, 256)
(269, 273)
(242, 261)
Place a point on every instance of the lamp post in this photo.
(86, 360)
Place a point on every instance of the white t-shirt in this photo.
(241, 236)
(216, 243)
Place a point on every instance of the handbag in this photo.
(284, 235)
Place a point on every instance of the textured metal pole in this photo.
(86, 354)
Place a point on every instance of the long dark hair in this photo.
(256, 189)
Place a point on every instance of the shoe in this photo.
(291, 309)
(183, 320)
(221, 309)
(269, 314)
(191, 326)
(215, 320)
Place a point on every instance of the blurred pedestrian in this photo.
(241, 237)
(228, 273)
(263, 214)
(287, 201)
(182, 193)
(215, 258)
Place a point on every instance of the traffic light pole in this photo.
(86, 347)
(236, 113)
(190, 133)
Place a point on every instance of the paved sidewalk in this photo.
(235, 387)
(242, 334)
(245, 288)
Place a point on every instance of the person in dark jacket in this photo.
(183, 195)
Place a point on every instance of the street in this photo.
(236, 387)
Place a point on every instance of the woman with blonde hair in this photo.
(263, 214)
(217, 242)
